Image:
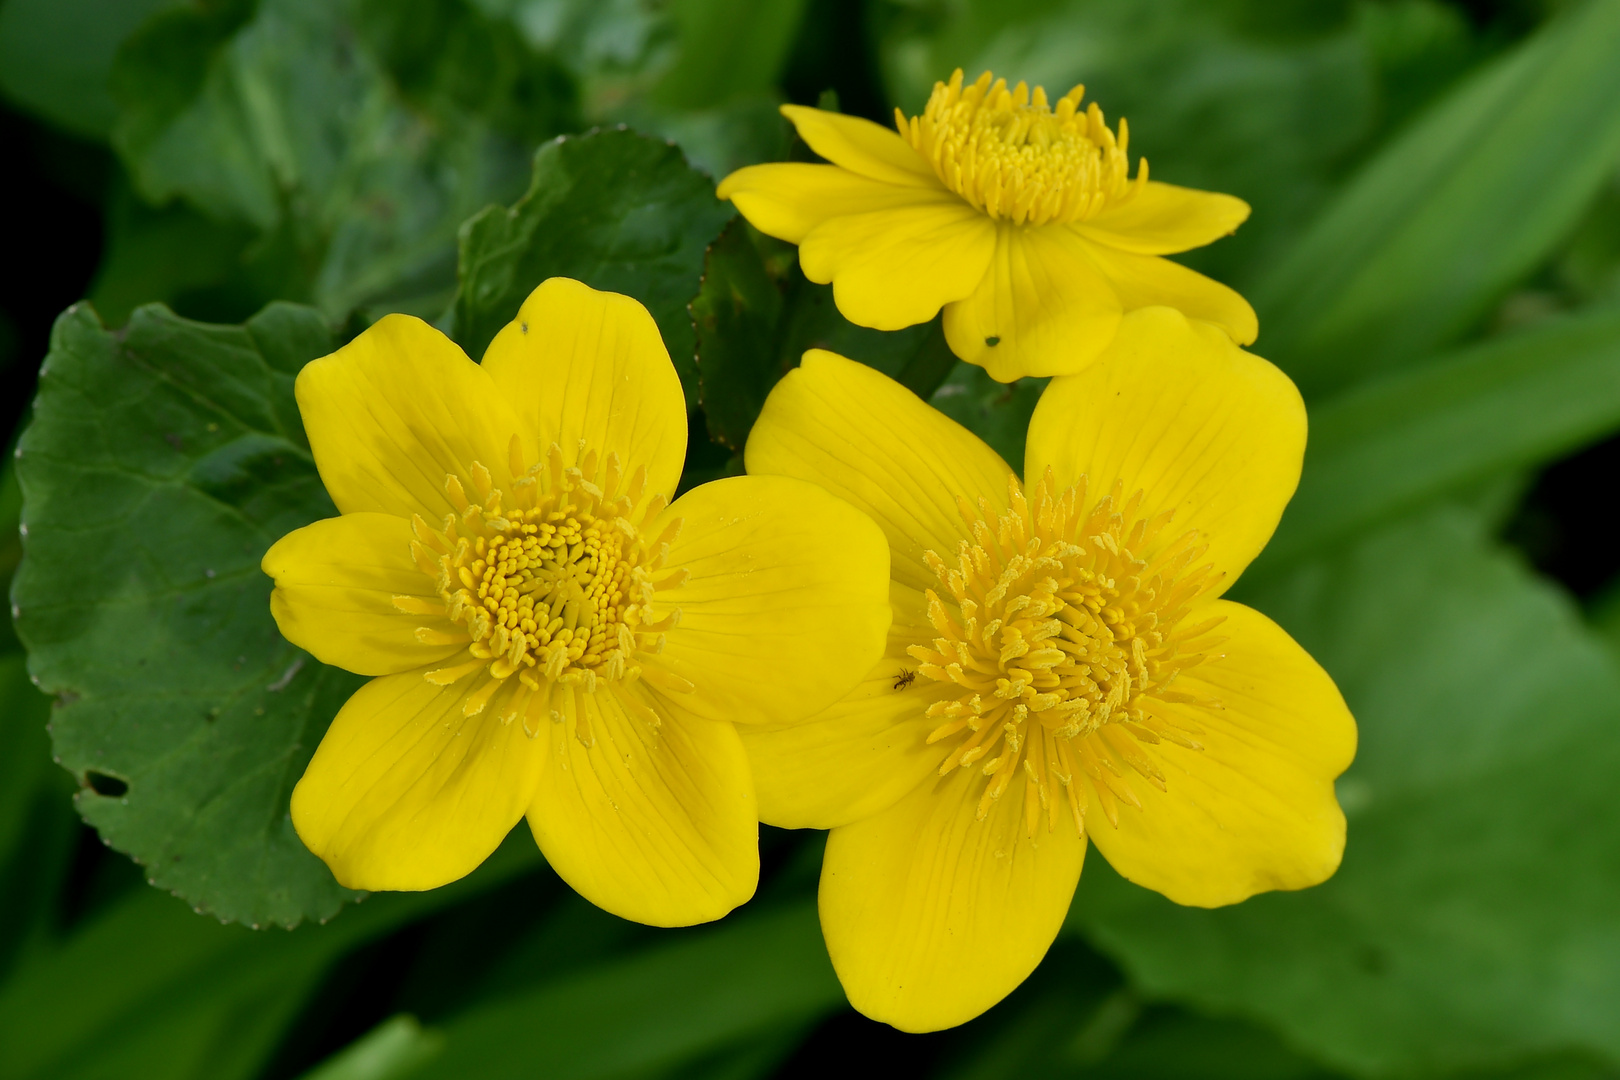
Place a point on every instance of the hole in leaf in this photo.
(993, 341)
(104, 784)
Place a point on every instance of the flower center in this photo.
(1016, 158)
(1061, 642)
(551, 581)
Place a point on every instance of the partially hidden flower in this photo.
(1017, 216)
(551, 637)
(1061, 665)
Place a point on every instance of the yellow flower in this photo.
(1019, 218)
(1061, 665)
(551, 637)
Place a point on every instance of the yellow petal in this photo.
(394, 412)
(931, 916)
(875, 444)
(405, 792)
(788, 199)
(577, 364)
(655, 824)
(1175, 410)
(787, 602)
(895, 268)
(1041, 309)
(1254, 809)
(335, 586)
(864, 752)
(862, 147)
(1146, 280)
(1162, 219)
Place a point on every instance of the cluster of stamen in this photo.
(1061, 642)
(551, 585)
(1013, 156)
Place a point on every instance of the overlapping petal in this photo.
(1254, 809)
(645, 815)
(335, 586)
(581, 364)
(394, 412)
(1147, 281)
(1042, 307)
(1175, 410)
(407, 792)
(897, 267)
(861, 754)
(862, 147)
(931, 916)
(788, 199)
(1162, 219)
(786, 606)
(875, 444)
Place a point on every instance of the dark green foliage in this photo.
(754, 37)
(757, 315)
(685, 998)
(998, 413)
(159, 993)
(449, 54)
(66, 85)
(317, 126)
(736, 319)
(161, 463)
(37, 828)
(1445, 218)
(1513, 401)
(614, 209)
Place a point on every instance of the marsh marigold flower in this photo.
(1061, 666)
(1016, 215)
(550, 636)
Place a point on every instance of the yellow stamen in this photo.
(1018, 159)
(1062, 628)
(556, 587)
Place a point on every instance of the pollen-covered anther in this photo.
(549, 579)
(1018, 158)
(1063, 624)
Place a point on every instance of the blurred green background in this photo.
(1435, 258)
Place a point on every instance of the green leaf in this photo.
(1473, 920)
(450, 55)
(24, 753)
(727, 49)
(174, 996)
(160, 464)
(997, 413)
(1394, 442)
(614, 209)
(56, 57)
(38, 830)
(757, 315)
(394, 1048)
(149, 989)
(702, 991)
(1445, 218)
(736, 321)
(282, 116)
(174, 253)
(1066, 1017)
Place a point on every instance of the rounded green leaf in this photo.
(160, 464)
